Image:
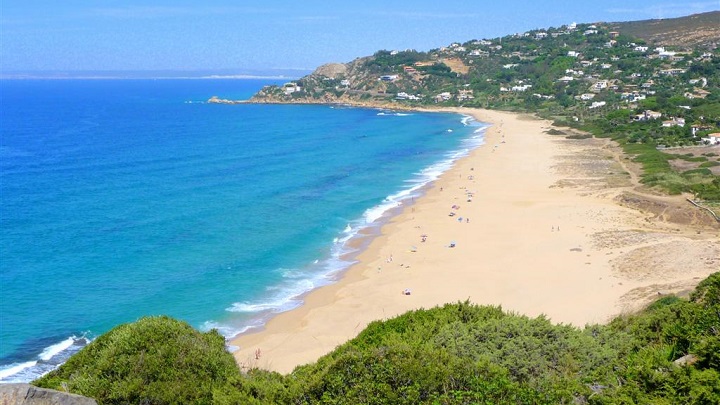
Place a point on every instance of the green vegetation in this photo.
(383, 60)
(455, 354)
(156, 360)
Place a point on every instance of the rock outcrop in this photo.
(331, 70)
(26, 394)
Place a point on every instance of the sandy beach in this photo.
(540, 224)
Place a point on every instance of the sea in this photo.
(125, 198)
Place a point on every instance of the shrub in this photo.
(155, 360)
(711, 163)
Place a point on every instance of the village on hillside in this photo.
(588, 76)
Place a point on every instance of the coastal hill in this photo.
(602, 78)
(700, 30)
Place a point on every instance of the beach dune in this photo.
(529, 221)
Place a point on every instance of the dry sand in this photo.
(541, 233)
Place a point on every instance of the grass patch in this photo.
(653, 161)
(579, 136)
(710, 164)
(671, 182)
(702, 172)
(691, 158)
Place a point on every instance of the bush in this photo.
(155, 360)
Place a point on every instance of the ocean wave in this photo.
(373, 214)
(396, 200)
(15, 368)
(286, 298)
(394, 114)
(49, 359)
(52, 351)
(292, 273)
(229, 330)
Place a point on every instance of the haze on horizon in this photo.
(254, 36)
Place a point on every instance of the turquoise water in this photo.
(126, 198)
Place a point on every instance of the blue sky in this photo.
(82, 35)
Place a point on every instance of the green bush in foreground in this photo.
(156, 360)
(456, 354)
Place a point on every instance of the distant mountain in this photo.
(699, 30)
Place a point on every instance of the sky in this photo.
(254, 35)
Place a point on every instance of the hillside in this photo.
(701, 30)
(599, 78)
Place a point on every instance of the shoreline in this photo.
(545, 200)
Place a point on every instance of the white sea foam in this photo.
(428, 174)
(346, 235)
(284, 299)
(54, 350)
(227, 330)
(394, 114)
(292, 273)
(48, 359)
(14, 369)
(257, 307)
